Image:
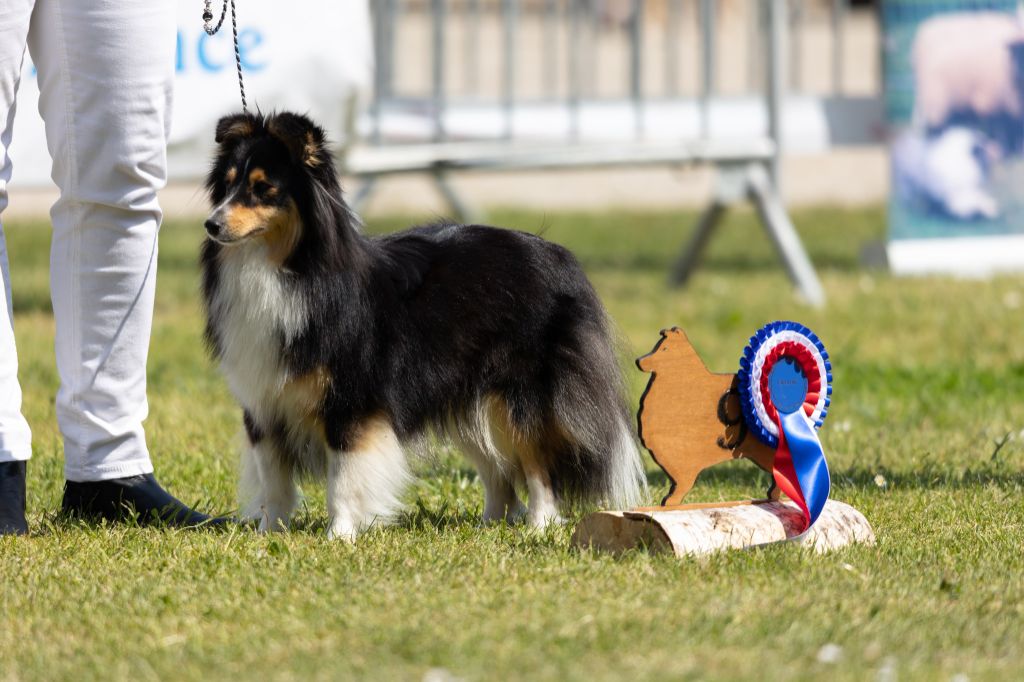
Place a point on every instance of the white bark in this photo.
(691, 532)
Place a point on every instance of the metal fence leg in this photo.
(730, 187)
(780, 228)
(363, 194)
(752, 182)
(690, 256)
(460, 209)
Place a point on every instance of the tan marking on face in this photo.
(245, 221)
(257, 176)
(230, 176)
(279, 226)
(284, 235)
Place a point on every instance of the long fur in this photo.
(491, 337)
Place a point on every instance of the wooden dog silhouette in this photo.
(690, 418)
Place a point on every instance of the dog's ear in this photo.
(305, 139)
(234, 127)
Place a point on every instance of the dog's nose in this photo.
(212, 227)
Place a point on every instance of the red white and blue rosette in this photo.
(785, 383)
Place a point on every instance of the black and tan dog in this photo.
(344, 350)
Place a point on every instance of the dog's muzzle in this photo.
(214, 226)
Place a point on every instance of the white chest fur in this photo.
(256, 309)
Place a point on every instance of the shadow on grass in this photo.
(442, 518)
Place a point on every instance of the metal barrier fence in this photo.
(573, 39)
(535, 84)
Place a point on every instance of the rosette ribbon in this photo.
(785, 384)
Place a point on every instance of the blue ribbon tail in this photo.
(808, 461)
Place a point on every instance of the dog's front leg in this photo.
(278, 495)
(365, 481)
(342, 508)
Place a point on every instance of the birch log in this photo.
(692, 532)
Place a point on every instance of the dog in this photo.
(347, 352)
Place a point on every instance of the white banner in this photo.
(956, 105)
(312, 57)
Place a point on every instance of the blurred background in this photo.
(553, 71)
(461, 107)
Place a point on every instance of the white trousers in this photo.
(105, 70)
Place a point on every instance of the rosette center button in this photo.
(787, 385)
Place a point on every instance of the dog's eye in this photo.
(263, 189)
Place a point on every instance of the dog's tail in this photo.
(600, 461)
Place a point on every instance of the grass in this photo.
(926, 437)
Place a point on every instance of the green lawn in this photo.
(926, 437)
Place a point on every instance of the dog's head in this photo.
(270, 175)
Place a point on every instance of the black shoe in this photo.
(135, 498)
(12, 499)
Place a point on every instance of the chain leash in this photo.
(212, 30)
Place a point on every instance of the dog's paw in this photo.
(510, 514)
(342, 532)
(268, 525)
(515, 513)
(545, 519)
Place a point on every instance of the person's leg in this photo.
(106, 71)
(15, 437)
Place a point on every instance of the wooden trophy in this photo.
(691, 419)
